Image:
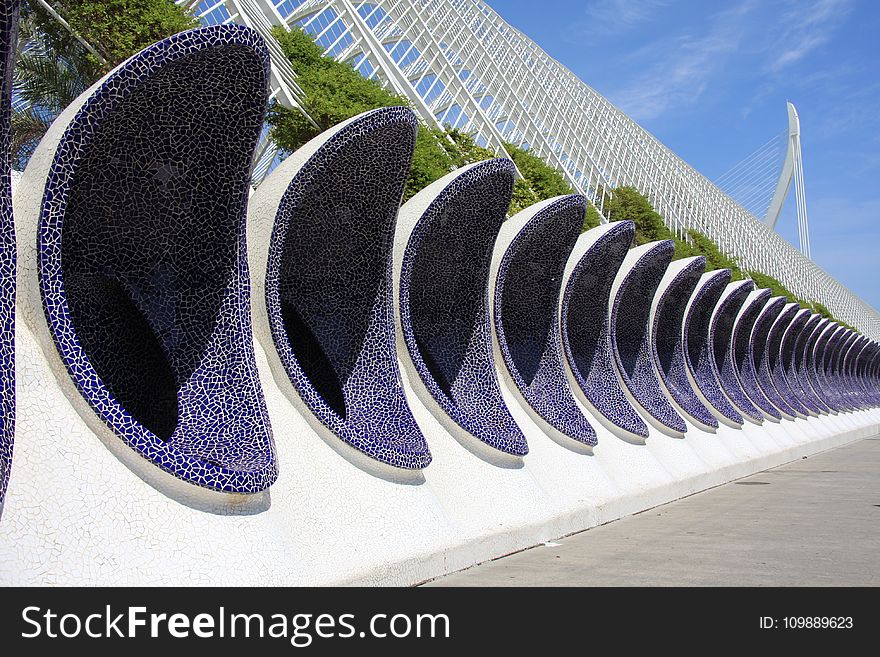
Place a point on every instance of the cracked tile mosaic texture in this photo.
(666, 339)
(526, 302)
(142, 257)
(796, 372)
(722, 324)
(698, 339)
(761, 354)
(743, 351)
(444, 300)
(8, 39)
(329, 290)
(584, 313)
(776, 353)
(630, 348)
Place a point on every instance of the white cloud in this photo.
(806, 26)
(619, 15)
(681, 68)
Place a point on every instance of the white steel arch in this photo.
(461, 64)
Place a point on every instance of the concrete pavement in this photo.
(813, 522)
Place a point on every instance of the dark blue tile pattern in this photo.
(847, 372)
(666, 340)
(743, 351)
(776, 361)
(584, 314)
(8, 37)
(788, 368)
(698, 340)
(796, 372)
(826, 370)
(444, 301)
(815, 361)
(721, 332)
(329, 286)
(142, 257)
(840, 370)
(526, 302)
(854, 389)
(761, 356)
(630, 345)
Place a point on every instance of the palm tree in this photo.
(48, 76)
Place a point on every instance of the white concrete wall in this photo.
(77, 514)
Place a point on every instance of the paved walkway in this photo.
(813, 522)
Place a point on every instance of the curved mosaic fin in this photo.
(761, 355)
(584, 321)
(322, 231)
(786, 371)
(698, 341)
(827, 363)
(8, 40)
(743, 352)
(135, 203)
(776, 362)
(842, 370)
(448, 231)
(631, 296)
(526, 308)
(815, 361)
(868, 384)
(872, 369)
(667, 347)
(721, 332)
(856, 390)
(796, 372)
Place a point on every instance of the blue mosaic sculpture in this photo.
(322, 229)
(868, 388)
(826, 366)
(698, 340)
(667, 348)
(141, 257)
(792, 343)
(796, 372)
(842, 379)
(743, 352)
(448, 231)
(584, 321)
(631, 298)
(526, 309)
(8, 39)
(761, 355)
(721, 331)
(856, 389)
(776, 362)
(814, 361)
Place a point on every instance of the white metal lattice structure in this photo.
(461, 64)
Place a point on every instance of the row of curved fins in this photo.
(144, 264)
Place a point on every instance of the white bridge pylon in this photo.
(792, 170)
(754, 185)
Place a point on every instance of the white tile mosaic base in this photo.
(76, 514)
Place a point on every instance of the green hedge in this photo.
(628, 203)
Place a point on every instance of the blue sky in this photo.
(710, 80)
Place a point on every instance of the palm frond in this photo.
(28, 126)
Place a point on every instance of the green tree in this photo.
(628, 204)
(53, 67)
(715, 257)
(545, 181)
(116, 29)
(334, 91)
(592, 218)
